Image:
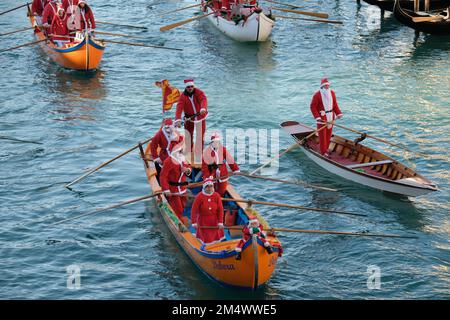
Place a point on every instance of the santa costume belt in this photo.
(328, 111)
(178, 184)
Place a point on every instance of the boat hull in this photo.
(217, 261)
(409, 184)
(84, 56)
(388, 5)
(257, 27)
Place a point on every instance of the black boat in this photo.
(388, 5)
(438, 24)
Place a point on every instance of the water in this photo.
(387, 81)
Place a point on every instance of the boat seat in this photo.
(368, 164)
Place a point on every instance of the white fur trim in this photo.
(190, 83)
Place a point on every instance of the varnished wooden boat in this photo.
(218, 261)
(82, 55)
(388, 5)
(438, 24)
(361, 164)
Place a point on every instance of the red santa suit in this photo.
(253, 228)
(214, 163)
(71, 7)
(59, 29)
(37, 7)
(191, 105)
(173, 179)
(87, 20)
(50, 10)
(324, 107)
(207, 211)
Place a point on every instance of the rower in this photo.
(165, 139)
(194, 104)
(207, 211)
(50, 10)
(173, 176)
(86, 19)
(324, 108)
(71, 9)
(58, 28)
(37, 8)
(215, 160)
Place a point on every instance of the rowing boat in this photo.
(218, 261)
(388, 5)
(83, 54)
(255, 27)
(438, 24)
(356, 162)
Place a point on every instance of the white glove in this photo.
(194, 225)
(158, 160)
(322, 113)
(237, 171)
(340, 115)
(46, 25)
(177, 123)
(221, 225)
(166, 192)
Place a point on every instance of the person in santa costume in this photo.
(214, 163)
(165, 139)
(194, 104)
(207, 211)
(58, 28)
(173, 176)
(71, 9)
(253, 228)
(50, 11)
(87, 20)
(324, 108)
(37, 9)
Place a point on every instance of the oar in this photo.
(312, 14)
(21, 6)
(274, 158)
(180, 23)
(23, 45)
(15, 31)
(342, 233)
(316, 131)
(284, 205)
(117, 34)
(124, 203)
(306, 19)
(378, 139)
(427, 19)
(121, 25)
(19, 140)
(181, 9)
(284, 4)
(140, 45)
(105, 164)
(299, 183)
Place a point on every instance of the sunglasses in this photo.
(189, 87)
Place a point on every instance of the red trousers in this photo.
(324, 138)
(200, 128)
(177, 203)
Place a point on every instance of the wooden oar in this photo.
(15, 31)
(284, 4)
(140, 45)
(180, 23)
(284, 205)
(378, 139)
(121, 204)
(306, 19)
(23, 45)
(427, 19)
(19, 140)
(121, 25)
(21, 6)
(299, 183)
(274, 158)
(118, 34)
(105, 163)
(316, 131)
(312, 14)
(341, 233)
(181, 9)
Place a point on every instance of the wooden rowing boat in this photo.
(84, 54)
(438, 24)
(218, 261)
(388, 5)
(256, 27)
(356, 162)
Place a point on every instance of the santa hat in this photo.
(60, 8)
(324, 82)
(208, 182)
(252, 219)
(189, 82)
(168, 122)
(215, 137)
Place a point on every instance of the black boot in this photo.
(238, 256)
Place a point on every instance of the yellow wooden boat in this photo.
(218, 261)
(85, 54)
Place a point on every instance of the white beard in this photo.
(327, 100)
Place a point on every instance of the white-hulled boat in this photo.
(360, 164)
(257, 26)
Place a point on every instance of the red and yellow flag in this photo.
(170, 95)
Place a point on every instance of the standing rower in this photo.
(86, 16)
(71, 11)
(37, 9)
(50, 10)
(194, 104)
(215, 160)
(58, 29)
(324, 108)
